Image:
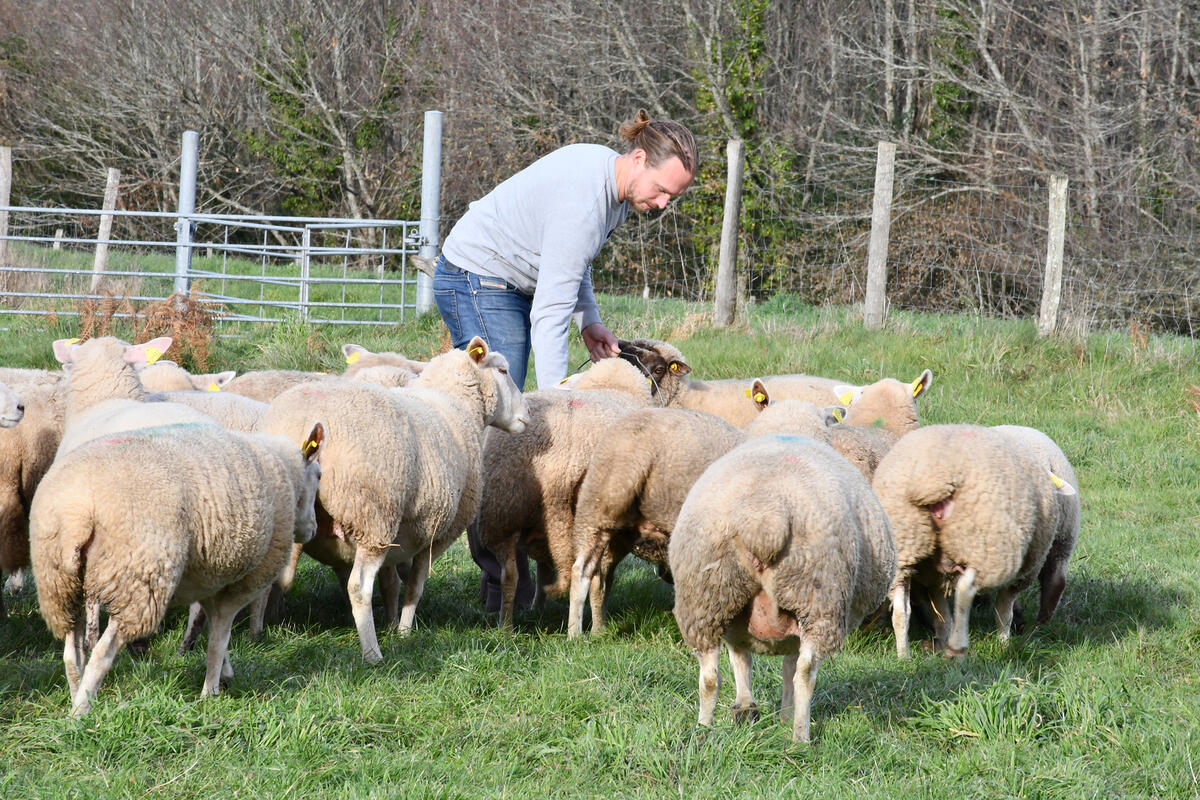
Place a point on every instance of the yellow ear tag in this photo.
(72, 341)
(212, 387)
(759, 397)
(309, 446)
(476, 351)
(153, 354)
(846, 398)
(649, 380)
(353, 357)
(1057, 481)
(838, 415)
(674, 366)
(916, 387)
(747, 392)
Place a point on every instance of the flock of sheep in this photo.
(785, 509)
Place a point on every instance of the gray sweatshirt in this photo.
(539, 231)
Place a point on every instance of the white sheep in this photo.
(971, 510)
(1052, 579)
(167, 376)
(265, 385)
(613, 375)
(403, 465)
(26, 452)
(360, 358)
(781, 548)
(11, 407)
(168, 515)
(104, 393)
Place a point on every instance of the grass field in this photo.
(1104, 701)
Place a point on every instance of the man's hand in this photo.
(600, 341)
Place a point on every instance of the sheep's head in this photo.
(510, 412)
(887, 403)
(11, 407)
(305, 527)
(663, 363)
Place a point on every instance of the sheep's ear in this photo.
(680, 368)
(147, 352)
(354, 352)
(477, 350)
(758, 393)
(1061, 486)
(64, 350)
(834, 415)
(312, 445)
(846, 394)
(921, 385)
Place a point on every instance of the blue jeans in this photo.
(478, 305)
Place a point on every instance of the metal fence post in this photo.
(187, 207)
(5, 196)
(725, 303)
(1056, 239)
(306, 245)
(431, 205)
(881, 225)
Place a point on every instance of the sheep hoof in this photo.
(373, 657)
(955, 653)
(746, 714)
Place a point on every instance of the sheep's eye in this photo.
(659, 370)
(502, 371)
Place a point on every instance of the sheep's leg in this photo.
(1053, 580)
(710, 683)
(258, 614)
(788, 700)
(941, 620)
(744, 709)
(579, 583)
(220, 624)
(901, 610)
(287, 575)
(360, 587)
(15, 582)
(389, 587)
(1005, 599)
(92, 609)
(601, 587)
(964, 596)
(74, 659)
(506, 555)
(804, 681)
(195, 624)
(101, 661)
(414, 587)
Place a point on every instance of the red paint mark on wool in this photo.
(576, 403)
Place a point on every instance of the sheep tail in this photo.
(60, 567)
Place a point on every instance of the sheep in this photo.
(266, 384)
(971, 510)
(781, 548)
(11, 407)
(1053, 577)
(20, 376)
(403, 465)
(26, 452)
(662, 363)
(160, 516)
(384, 375)
(727, 398)
(360, 358)
(635, 483)
(616, 375)
(533, 481)
(167, 376)
(104, 394)
(639, 475)
(233, 411)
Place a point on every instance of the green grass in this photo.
(1104, 701)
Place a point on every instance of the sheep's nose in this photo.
(20, 408)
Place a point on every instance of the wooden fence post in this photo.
(725, 305)
(100, 262)
(5, 195)
(881, 224)
(1055, 241)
